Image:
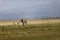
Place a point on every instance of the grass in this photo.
(48, 31)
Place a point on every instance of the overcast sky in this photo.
(13, 4)
(30, 7)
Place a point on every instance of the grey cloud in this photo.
(10, 9)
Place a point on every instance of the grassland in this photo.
(45, 31)
(9, 22)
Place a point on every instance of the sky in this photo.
(29, 8)
(14, 4)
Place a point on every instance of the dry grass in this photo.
(31, 22)
(47, 31)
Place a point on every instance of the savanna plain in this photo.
(35, 30)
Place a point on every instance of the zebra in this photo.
(23, 21)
